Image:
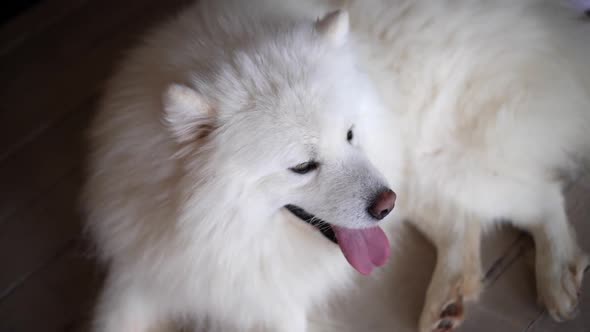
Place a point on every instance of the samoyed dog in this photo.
(247, 156)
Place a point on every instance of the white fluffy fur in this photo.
(471, 110)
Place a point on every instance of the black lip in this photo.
(324, 227)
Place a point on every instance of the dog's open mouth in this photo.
(364, 248)
(324, 227)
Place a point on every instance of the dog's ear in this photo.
(334, 27)
(188, 115)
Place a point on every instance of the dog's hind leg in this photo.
(539, 207)
(560, 263)
(457, 275)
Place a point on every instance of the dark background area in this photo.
(12, 8)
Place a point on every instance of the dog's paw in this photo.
(450, 317)
(444, 308)
(559, 285)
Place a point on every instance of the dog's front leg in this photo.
(457, 275)
(122, 307)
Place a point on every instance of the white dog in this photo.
(240, 142)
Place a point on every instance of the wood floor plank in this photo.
(33, 21)
(29, 173)
(55, 71)
(32, 238)
(57, 299)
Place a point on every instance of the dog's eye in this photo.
(349, 135)
(305, 167)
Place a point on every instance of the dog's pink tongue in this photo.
(365, 248)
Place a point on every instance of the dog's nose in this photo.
(382, 205)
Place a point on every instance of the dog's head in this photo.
(286, 118)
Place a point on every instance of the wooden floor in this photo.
(54, 60)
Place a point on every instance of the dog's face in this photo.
(287, 120)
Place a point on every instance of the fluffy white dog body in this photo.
(231, 125)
